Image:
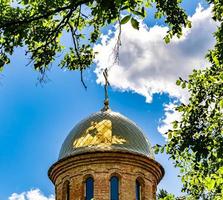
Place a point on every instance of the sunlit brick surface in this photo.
(101, 166)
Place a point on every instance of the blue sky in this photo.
(35, 119)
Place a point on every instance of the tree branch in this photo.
(76, 44)
(55, 32)
(44, 16)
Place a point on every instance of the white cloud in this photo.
(170, 116)
(147, 65)
(34, 194)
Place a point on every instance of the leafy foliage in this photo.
(195, 143)
(39, 26)
(163, 195)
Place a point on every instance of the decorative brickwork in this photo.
(129, 167)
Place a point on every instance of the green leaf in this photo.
(170, 135)
(183, 85)
(156, 148)
(175, 124)
(210, 183)
(178, 82)
(141, 14)
(220, 170)
(158, 15)
(161, 149)
(135, 23)
(189, 24)
(125, 19)
(167, 39)
(221, 103)
(25, 1)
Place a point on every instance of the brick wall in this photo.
(101, 166)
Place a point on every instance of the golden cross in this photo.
(106, 101)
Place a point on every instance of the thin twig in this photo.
(118, 42)
(115, 51)
(82, 81)
(76, 44)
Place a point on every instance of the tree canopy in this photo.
(195, 144)
(39, 26)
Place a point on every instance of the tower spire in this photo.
(106, 101)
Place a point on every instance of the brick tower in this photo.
(106, 157)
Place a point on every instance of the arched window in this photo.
(66, 190)
(89, 188)
(138, 190)
(114, 188)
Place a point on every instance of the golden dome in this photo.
(106, 131)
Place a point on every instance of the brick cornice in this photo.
(108, 157)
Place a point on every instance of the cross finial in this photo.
(106, 101)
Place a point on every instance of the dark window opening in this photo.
(66, 190)
(138, 190)
(114, 188)
(89, 188)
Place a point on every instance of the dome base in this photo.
(101, 166)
